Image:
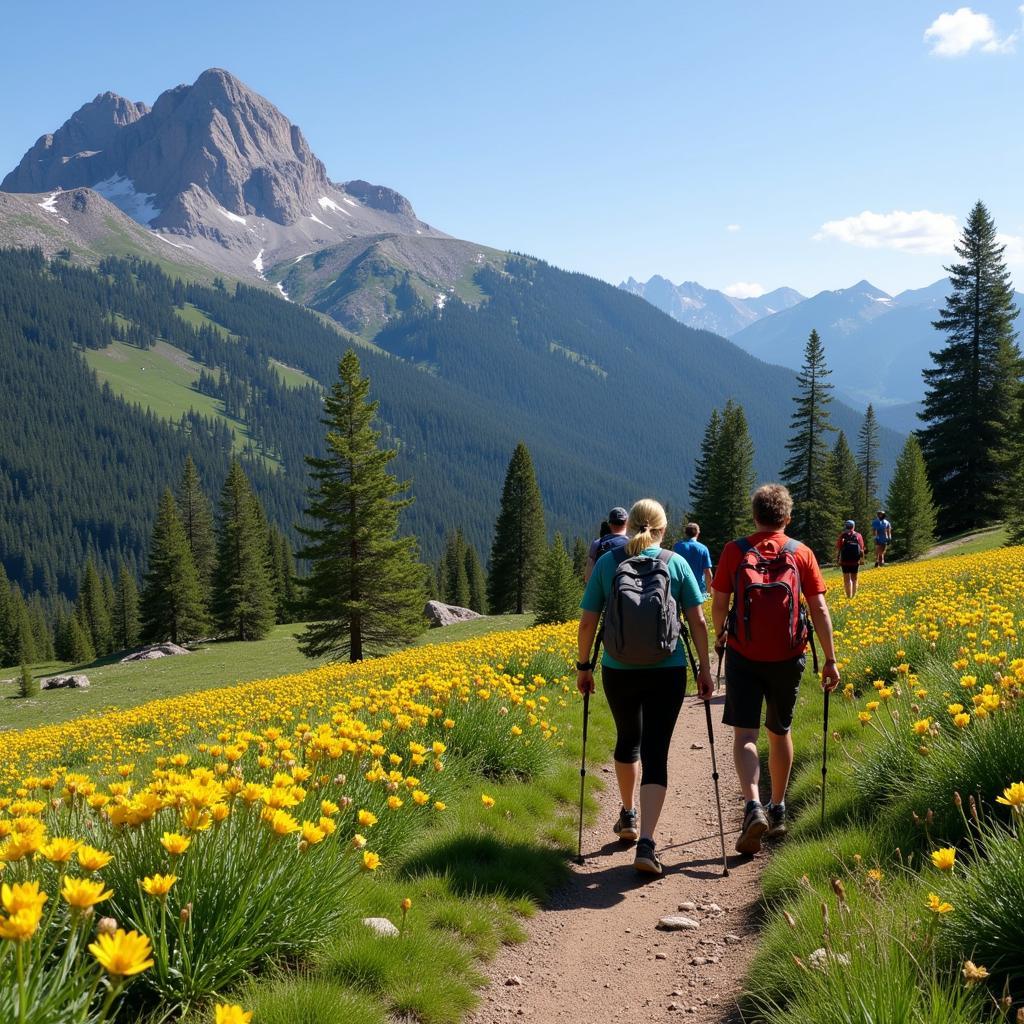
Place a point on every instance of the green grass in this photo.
(973, 542)
(196, 317)
(290, 376)
(161, 379)
(212, 665)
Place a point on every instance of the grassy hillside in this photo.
(212, 665)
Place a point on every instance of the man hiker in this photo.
(850, 552)
(696, 555)
(883, 536)
(615, 538)
(766, 637)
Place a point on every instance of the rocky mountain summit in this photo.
(216, 169)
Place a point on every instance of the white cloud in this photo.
(732, 227)
(1014, 247)
(745, 290)
(956, 34)
(917, 231)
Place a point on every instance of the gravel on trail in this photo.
(595, 953)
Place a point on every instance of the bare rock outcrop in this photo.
(440, 614)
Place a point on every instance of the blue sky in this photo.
(801, 144)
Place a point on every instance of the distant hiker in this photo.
(883, 536)
(642, 588)
(610, 539)
(850, 552)
(697, 556)
(766, 636)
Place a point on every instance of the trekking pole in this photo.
(583, 759)
(824, 758)
(714, 760)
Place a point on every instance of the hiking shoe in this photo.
(625, 828)
(776, 815)
(755, 824)
(646, 860)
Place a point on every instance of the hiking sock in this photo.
(751, 804)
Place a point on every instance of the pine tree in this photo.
(704, 501)
(453, 568)
(28, 685)
(365, 589)
(95, 613)
(243, 596)
(970, 405)
(197, 519)
(910, 506)
(125, 620)
(24, 640)
(558, 591)
(172, 605)
(282, 574)
(477, 581)
(78, 645)
(733, 476)
(867, 459)
(6, 620)
(852, 499)
(580, 549)
(42, 636)
(519, 539)
(808, 470)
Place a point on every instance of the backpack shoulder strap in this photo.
(791, 546)
(743, 543)
(665, 557)
(619, 554)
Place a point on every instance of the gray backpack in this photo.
(641, 620)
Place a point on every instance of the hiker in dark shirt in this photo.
(616, 537)
(850, 552)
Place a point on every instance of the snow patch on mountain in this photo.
(121, 191)
(49, 204)
(258, 262)
(330, 204)
(313, 216)
(299, 259)
(280, 288)
(230, 215)
(164, 238)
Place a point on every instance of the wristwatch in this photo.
(583, 666)
(830, 661)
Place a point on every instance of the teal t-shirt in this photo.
(684, 589)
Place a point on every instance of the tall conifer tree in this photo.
(125, 620)
(867, 458)
(7, 644)
(579, 557)
(970, 405)
(95, 610)
(519, 539)
(172, 606)
(808, 470)
(477, 581)
(197, 519)
(243, 595)
(851, 496)
(910, 506)
(453, 567)
(365, 589)
(703, 500)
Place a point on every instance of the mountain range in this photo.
(253, 271)
(876, 343)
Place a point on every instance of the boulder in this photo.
(439, 614)
(382, 926)
(77, 682)
(164, 650)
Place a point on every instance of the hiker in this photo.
(697, 556)
(850, 551)
(644, 665)
(883, 537)
(614, 537)
(766, 636)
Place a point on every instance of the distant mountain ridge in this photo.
(708, 309)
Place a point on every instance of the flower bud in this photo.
(185, 914)
(956, 799)
(790, 919)
(106, 926)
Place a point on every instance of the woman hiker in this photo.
(644, 694)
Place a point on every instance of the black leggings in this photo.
(645, 704)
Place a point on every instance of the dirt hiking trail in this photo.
(594, 953)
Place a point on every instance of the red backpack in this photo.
(766, 615)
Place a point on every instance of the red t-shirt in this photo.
(839, 549)
(767, 542)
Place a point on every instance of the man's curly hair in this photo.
(772, 505)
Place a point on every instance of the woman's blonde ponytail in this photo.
(646, 518)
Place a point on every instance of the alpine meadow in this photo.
(621, 616)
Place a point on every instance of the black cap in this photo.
(618, 515)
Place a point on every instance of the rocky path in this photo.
(595, 954)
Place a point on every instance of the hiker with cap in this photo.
(850, 553)
(697, 556)
(883, 537)
(641, 588)
(615, 538)
(765, 633)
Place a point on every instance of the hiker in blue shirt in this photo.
(883, 536)
(614, 538)
(697, 557)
